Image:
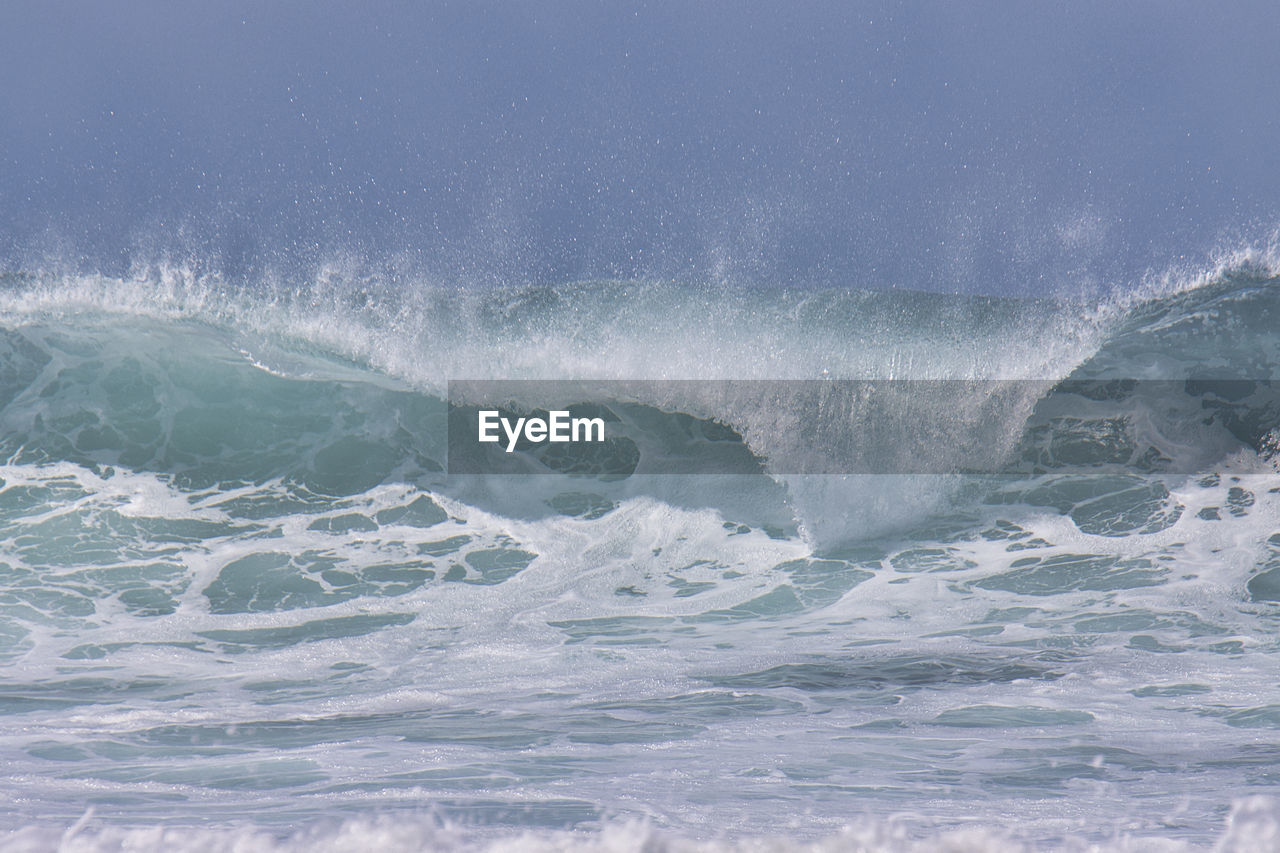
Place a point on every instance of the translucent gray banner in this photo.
(613, 429)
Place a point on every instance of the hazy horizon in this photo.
(865, 145)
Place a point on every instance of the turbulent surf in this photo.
(238, 577)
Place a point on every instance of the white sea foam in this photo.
(1253, 826)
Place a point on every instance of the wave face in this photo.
(241, 595)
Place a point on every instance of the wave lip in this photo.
(247, 388)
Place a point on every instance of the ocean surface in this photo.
(243, 605)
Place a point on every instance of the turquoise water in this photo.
(242, 600)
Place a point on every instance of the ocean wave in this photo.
(174, 375)
(238, 579)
